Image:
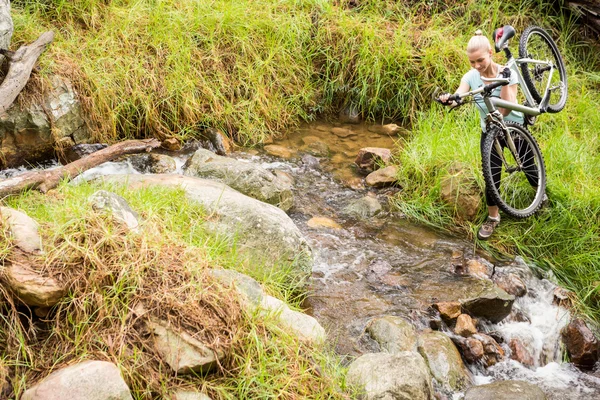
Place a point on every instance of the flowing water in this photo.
(386, 265)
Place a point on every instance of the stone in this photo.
(303, 326)
(465, 326)
(310, 139)
(449, 310)
(280, 151)
(317, 149)
(371, 158)
(471, 348)
(30, 132)
(383, 177)
(492, 352)
(171, 144)
(152, 163)
(394, 334)
(444, 361)
(365, 207)
(491, 303)
(247, 178)
(563, 297)
(510, 283)
(582, 345)
(183, 353)
(479, 269)
(118, 208)
(89, 380)
(323, 222)
(388, 129)
(259, 230)
(505, 390)
(218, 142)
(343, 132)
(249, 289)
(349, 115)
(32, 287)
(402, 376)
(285, 177)
(23, 230)
(310, 161)
(189, 395)
(78, 151)
(519, 353)
(460, 191)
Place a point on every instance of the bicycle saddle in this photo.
(502, 35)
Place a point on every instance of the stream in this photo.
(387, 265)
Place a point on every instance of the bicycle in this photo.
(541, 73)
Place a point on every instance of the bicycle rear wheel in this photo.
(535, 43)
(517, 182)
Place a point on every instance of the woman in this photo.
(479, 52)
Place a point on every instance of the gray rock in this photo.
(310, 162)
(79, 151)
(394, 334)
(183, 353)
(151, 163)
(247, 178)
(491, 303)
(305, 327)
(117, 206)
(23, 229)
(364, 207)
(30, 134)
(505, 390)
(249, 289)
(89, 380)
(259, 229)
(385, 376)
(444, 361)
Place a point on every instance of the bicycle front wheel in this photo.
(535, 43)
(515, 178)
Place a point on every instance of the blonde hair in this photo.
(478, 42)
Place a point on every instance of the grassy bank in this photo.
(109, 270)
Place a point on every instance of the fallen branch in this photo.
(21, 63)
(49, 179)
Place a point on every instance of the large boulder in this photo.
(32, 132)
(394, 334)
(505, 390)
(401, 376)
(444, 361)
(247, 178)
(89, 380)
(258, 229)
(490, 302)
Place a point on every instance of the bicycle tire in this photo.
(536, 43)
(518, 182)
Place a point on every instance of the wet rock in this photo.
(563, 297)
(183, 353)
(389, 129)
(364, 207)
(32, 287)
(89, 380)
(448, 310)
(117, 207)
(30, 133)
(465, 326)
(371, 158)
(219, 142)
(343, 132)
(383, 177)
(519, 353)
(394, 334)
(259, 229)
(147, 163)
(279, 151)
(189, 395)
(305, 327)
(402, 376)
(492, 352)
(582, 346)
(444, 361)
(510, 283)
(349, 115)
(310, 162)
(479, 269)
(310, 139)
(74, 153)
(323, 222)
(171, 144)
(23, 230)
(288, 179)
(471, 348)
(491, 303)
(505, 390)
(459, 190)
(317, 149)
(247, 178)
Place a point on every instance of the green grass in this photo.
(109, 270)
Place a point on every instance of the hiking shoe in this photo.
(487, 228)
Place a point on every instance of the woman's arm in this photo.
(508, 93)
(462, 88)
